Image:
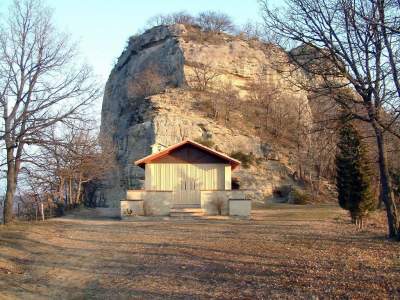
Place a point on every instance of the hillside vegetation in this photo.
(178, 81)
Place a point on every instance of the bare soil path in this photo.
(283, 252)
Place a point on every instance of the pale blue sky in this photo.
(102, 26)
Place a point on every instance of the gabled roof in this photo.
(148, 159)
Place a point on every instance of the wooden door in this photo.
(185, 180)
(187, 191)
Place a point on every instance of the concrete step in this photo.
(186, 206)
(186, 212)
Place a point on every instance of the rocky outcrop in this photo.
(148, 104)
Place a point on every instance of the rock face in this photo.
(148, 104)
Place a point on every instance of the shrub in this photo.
(235, 184)
(128, 212)
(180, 17)
(300, 197)
(196, 35)
(219, 204)
(395, 175)
(245, 159)
(205, 142)
(215, 21)
(258, 161)
(59, 208)
(147, 209)
(282, 191)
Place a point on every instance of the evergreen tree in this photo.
(353, 177)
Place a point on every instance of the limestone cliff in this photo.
(148, 103)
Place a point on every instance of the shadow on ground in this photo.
(282, 252)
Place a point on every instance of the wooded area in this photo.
(346, 50)
(45, 94)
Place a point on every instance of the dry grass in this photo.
(283, 252)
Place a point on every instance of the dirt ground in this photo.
(282, 252)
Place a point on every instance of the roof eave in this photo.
(145, 160)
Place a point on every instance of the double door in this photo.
(188, 185)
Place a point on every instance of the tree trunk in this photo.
(61, 190)
(78, 193)
(380, 202)
(386, 188)
(42, 210)
(70, 199)
(318, 180)
(11, 187)
(9, 200)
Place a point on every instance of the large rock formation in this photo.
(148, 103)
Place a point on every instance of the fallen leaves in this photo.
(281, 253)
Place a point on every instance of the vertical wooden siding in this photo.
(199, 176)
(228, 177)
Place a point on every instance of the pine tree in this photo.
(353, 177)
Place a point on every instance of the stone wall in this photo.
(146, 203)
(159, 203)
(130, 208)
(239, 207)
(211, 200)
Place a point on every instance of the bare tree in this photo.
(301, 135)
(203, 75)
(215, 22)
(227, 98)
(74, 158)
(210, 21)
(256, 31)
(346, 46)
(40, 84)
(389, 25)
(276, 111)
(322, 157)
(263, 96)
(180, 17)
(251, 30)
(146, 83)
